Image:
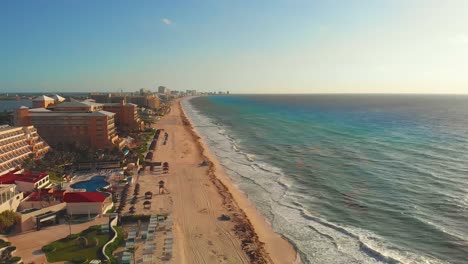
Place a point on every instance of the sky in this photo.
(290, 46)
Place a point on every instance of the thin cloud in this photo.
(166, 21)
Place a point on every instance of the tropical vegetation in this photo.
(78, 248)
(8, 220)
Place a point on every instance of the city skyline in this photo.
(262, 47)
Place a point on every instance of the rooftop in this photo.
(28, 176)
(58, 113)
(39, 196)
(75, 103)
(39, 110)
(84, 197)
(43, 98)
(58, 98)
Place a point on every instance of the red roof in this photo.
(28, 176)
(84, 197)
(8, 178)
(35, 196)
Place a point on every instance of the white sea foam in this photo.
(318, 240)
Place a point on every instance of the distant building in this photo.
(115, 99)
(101, 98)
(191, 92)
(126, 116)
(144, 91)
(42, 101)
(162, 89)
(18, 144)
(147, 100)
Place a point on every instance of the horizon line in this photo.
(233, 93)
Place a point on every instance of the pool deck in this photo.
(79, 177)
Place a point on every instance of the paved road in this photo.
(28, 244)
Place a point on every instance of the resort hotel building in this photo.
(145, 100)
(18, 144)
(10, 198)
(80, 122)
(126, 116)
(72, 123)
(26, 181)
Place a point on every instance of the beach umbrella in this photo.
(148, 195)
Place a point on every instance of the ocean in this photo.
(349, 178)
(10, 105)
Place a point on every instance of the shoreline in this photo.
(259, 241)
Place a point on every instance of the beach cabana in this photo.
(147, 205)
(148, 195)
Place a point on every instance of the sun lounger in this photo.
(129, 244)
(131, 235)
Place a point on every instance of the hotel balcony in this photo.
(11, 134)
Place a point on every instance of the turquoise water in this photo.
(92, 184)
(350, 179)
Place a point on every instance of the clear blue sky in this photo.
(293, 46)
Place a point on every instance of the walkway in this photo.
(28, 245)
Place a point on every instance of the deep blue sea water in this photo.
(349, 178)
(10, 105)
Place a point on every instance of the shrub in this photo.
(11, 248)
(48, 248)
(8, 219)
(78, 259)
(15, 259)
(4, 243)
(73, 236)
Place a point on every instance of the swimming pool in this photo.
(92, 184)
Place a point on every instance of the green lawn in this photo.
(66, 249)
